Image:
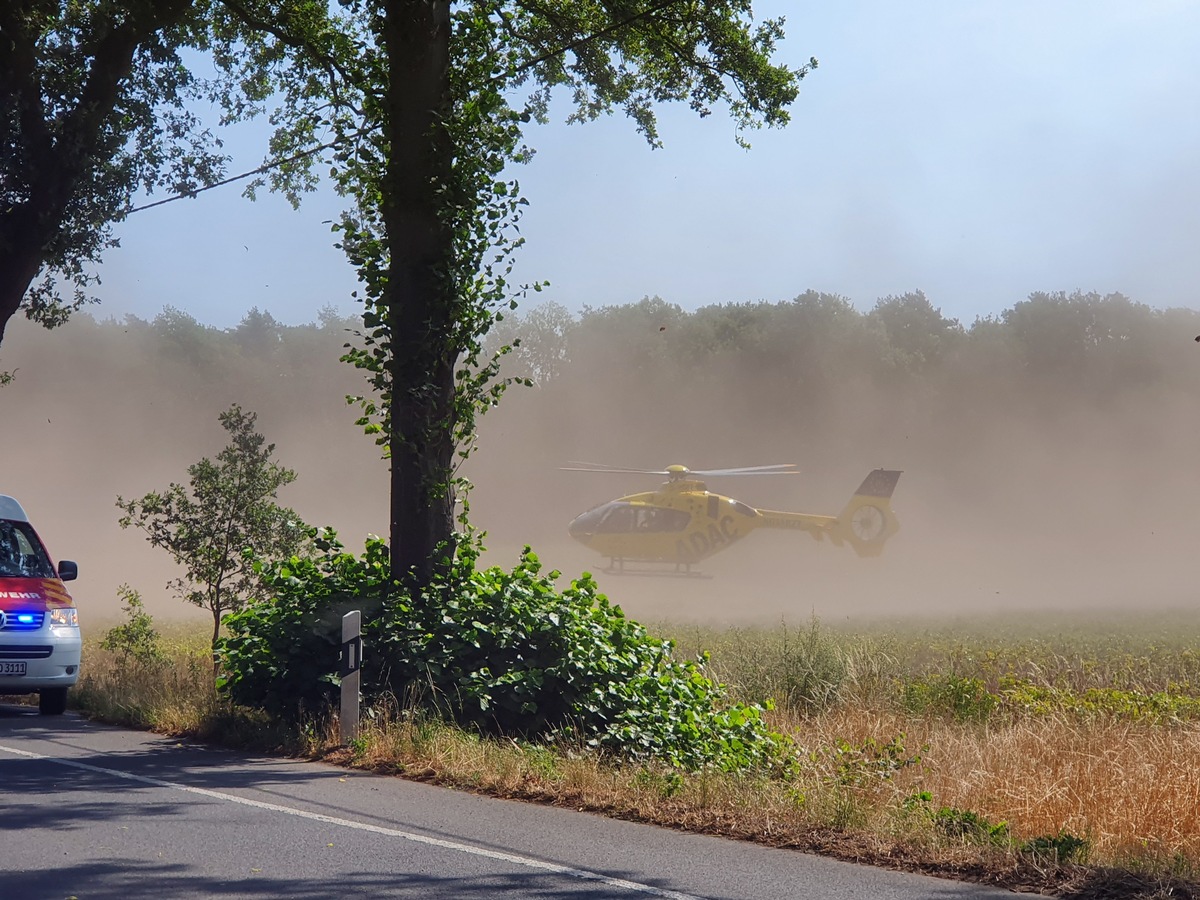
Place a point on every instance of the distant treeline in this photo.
(719, 374)
(1096, 343)
(793, 370)
(809, 348)
(261, 363)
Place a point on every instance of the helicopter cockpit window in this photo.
(618, 518)
(658, 518)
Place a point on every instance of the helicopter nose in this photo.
(579, 530)
(586, 525)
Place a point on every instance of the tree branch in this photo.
(281, 32)
(587, 39)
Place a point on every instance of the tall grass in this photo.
(173, 693)
(1049, 725)
(169, 694)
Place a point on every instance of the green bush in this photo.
(954, 696)
(281, 653)
(856, 765)
(1062, 847)
(960, 824)
(504, 652)
(970, 826)
(136, 639)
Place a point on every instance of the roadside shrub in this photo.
(970, 826)
(281, 652)
(857, 765)
(961, 824)
(136, 639)
(1062, 847)
(505, 652)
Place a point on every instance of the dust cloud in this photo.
(1008, 502)
(1083, 512)
(90, 417)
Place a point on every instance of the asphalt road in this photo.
(94, 812)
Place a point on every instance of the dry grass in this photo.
(170, 697)
(875, 783)
(1132, 790)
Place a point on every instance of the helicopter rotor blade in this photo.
(578, 466)
(777, 469)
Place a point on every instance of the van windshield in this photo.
(21, 553)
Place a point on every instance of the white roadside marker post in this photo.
(350, 663)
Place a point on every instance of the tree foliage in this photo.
(92, 110)
(227, 509)
(99, 100)
(919, 335)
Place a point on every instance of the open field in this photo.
(1031, 751)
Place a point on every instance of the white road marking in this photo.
(525, 861)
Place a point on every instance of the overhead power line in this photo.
(304, 154)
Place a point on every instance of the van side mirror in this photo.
(67, 570)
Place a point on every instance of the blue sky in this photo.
(978, 151)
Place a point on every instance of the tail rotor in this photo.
(867, 521)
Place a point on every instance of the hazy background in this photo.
(1049, 452)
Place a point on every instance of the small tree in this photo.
(229, 508)
(136, 639)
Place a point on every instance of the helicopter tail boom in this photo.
(866, 522)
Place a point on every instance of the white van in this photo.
(39, 625)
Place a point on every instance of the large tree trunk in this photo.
(20, 260)
(419, 298)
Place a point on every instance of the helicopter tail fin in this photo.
(867, 521)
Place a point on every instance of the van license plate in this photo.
(12, 668)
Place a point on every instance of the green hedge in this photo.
(505, 652)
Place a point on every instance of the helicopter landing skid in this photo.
(651, 570)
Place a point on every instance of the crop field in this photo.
(1006, 731)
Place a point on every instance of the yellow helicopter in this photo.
(682, 522)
